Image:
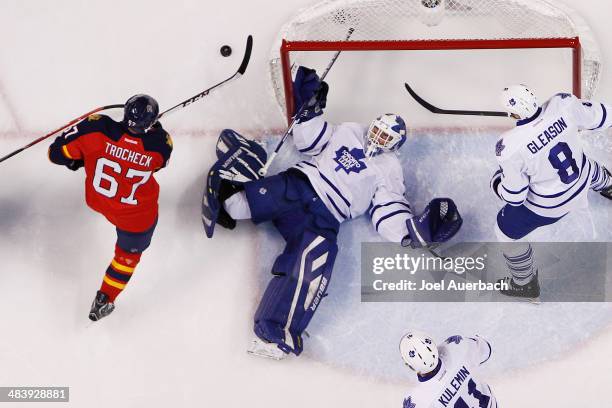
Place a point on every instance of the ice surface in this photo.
(458, 164)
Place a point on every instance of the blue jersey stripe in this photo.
(333, 187)
(515, 192)
(584, 160)
(566, 201)
(372, 210)
(603, 119)
(335, 206)
(513, 202)
(317, 140)
(390, 215)
(322, 148)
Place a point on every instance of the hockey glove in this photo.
(310, 93)
(239, 160)
(438, 223)
(496, 181)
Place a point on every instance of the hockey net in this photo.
(433, 25)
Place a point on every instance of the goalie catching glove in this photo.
(309, 93)
(438, 223)
(239, 160)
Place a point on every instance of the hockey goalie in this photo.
(348, 170)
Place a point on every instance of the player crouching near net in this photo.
(348, 170)
(544, 174)
(119, 159)
(448, 374)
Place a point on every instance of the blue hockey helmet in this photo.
(387, 133)
(140, 113)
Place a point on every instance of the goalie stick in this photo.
(241, 69)
(435, 109)
(264, 170)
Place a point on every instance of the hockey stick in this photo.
(435, 109)
(241, 69)
(72, 122)
(237, 74)
(264, 170)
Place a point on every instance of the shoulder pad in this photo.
(158, 140)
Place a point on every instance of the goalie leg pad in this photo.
(301, 278)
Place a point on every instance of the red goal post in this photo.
(412, 45)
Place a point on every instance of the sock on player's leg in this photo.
(119, 272)
(600, 179)
(519, 259)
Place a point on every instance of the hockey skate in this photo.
(101, 307)
(529, 291)
(262, 349)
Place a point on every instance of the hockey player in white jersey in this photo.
(544, 173)
(447, 375)
(348, 170)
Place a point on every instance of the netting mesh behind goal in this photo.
(437, 19)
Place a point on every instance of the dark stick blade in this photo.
(435, 109)
(247, 55)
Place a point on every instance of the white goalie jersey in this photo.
(349, 183)
(543, 163)
(454, 383)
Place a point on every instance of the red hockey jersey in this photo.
(119, 168)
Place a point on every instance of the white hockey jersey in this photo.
(454, 383)
(542, 159)
(347, 182)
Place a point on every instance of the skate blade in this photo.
(266, 350)
(533, 301)
(265, 355)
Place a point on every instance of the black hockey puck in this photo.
(226, 50)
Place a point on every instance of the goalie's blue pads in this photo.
(301, 277)
(309, 91)
(239, 161)
(438, 223)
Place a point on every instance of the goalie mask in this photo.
(386, 133)
(419, 352)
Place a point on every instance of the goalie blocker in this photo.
(239, 160)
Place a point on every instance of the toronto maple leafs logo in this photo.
(499, 147)
(408, 403)
(350, 160)
(411, 353)
(454, 339)
(512, 102)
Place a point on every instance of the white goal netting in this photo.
(394, 20)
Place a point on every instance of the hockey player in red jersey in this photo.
(119, 160)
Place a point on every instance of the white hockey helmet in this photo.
(419, 352)
(520, 101)
(386, 133)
